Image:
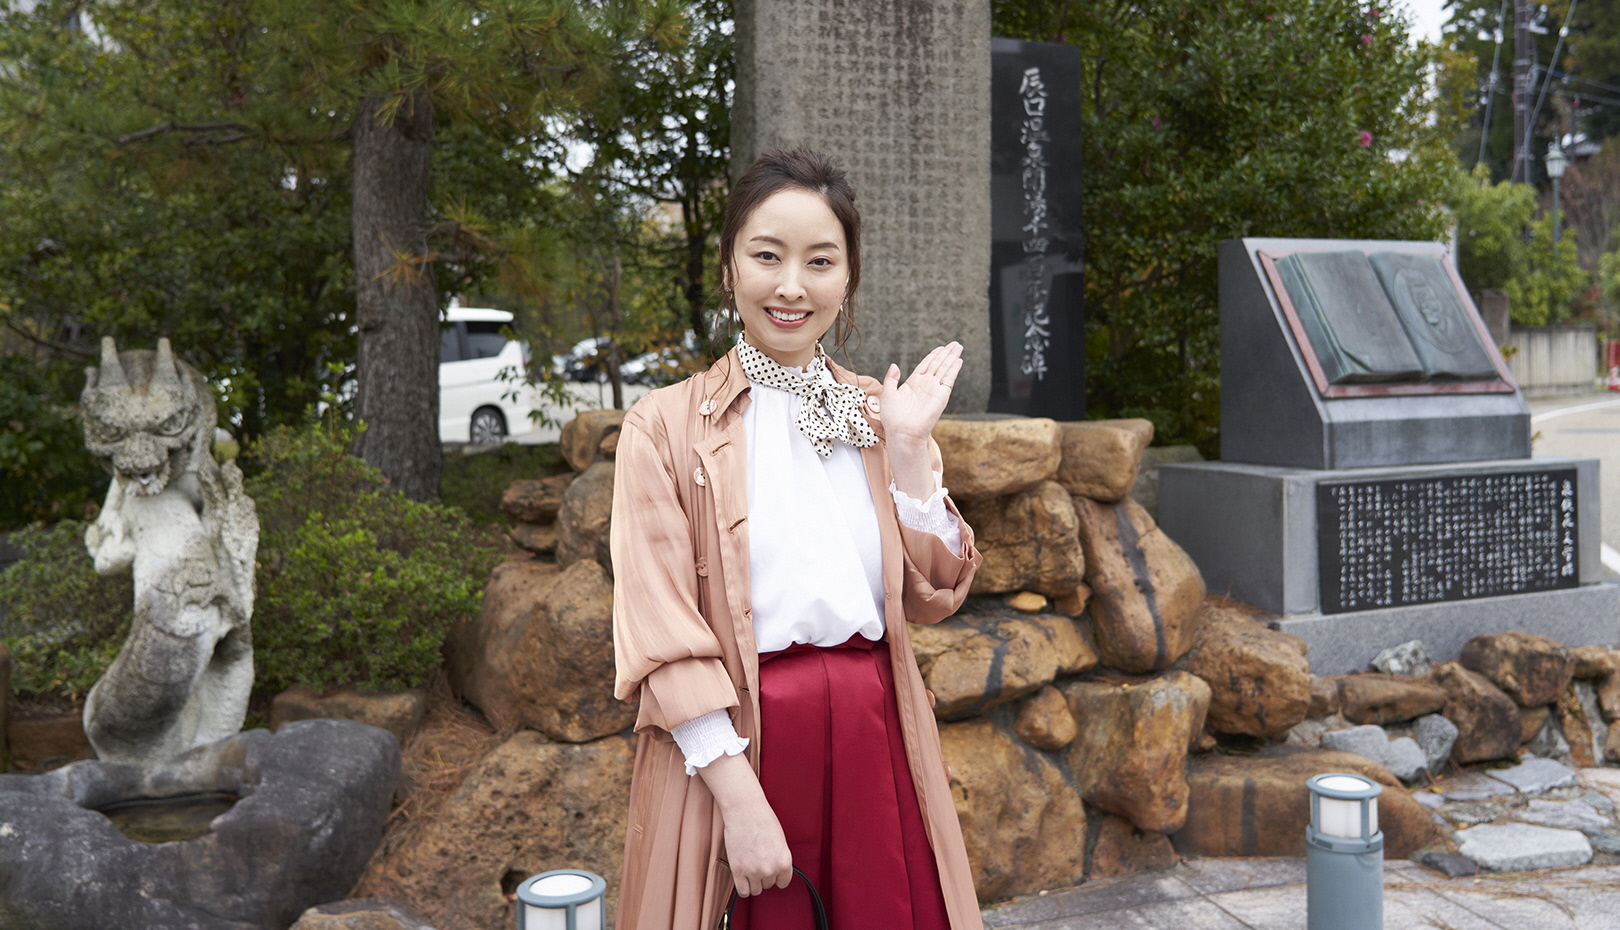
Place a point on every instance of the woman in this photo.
(776, 521)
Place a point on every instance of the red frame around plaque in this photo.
(1503, 383)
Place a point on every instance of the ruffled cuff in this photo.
(931, 515)
(707, 738)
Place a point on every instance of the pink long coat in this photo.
(684, 639)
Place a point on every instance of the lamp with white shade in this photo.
(562, 899)
(1344, 854)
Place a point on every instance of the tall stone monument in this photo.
(899, 93)
(1376, 483)
(1037, 308)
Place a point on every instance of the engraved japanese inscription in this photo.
(1422, 540)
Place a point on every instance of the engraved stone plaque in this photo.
(1037, 311)
(1441, 328)
(1422, 540)
(1348, 318)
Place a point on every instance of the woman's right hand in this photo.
(756, 848)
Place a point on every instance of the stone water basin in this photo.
(169, 820)
(242, 834)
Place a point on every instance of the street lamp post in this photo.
(1555, 170)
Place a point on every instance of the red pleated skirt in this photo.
(833, 766)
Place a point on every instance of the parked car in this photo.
(482, 397)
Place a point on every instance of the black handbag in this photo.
(816, 907)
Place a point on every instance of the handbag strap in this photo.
(816, 908)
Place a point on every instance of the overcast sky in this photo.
(1427, 17)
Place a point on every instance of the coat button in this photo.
(703, 567)
(707, 407)
(873, 404)
(698, 476)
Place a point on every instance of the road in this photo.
(1588, 427)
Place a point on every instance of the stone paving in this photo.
(1269, 894)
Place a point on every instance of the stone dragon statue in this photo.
(184, 526)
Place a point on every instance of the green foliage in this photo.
(1542, 281)
(62, 622)
(475, 483)
(45, 472)
(1213, 119)
(357, 584)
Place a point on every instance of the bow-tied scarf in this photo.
(829, 410)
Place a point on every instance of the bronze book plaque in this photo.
(1384, 323)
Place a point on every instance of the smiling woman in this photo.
(777, 522)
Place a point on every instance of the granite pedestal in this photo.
(1253, 531)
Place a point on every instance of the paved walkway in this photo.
(1269, 894)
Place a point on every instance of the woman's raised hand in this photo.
(910, 410)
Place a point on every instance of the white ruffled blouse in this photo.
(815, 560)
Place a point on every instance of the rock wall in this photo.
(1100, 715)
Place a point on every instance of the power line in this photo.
(1490, 90)
(1529, 129)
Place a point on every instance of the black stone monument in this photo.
(1037, 310)
(1376, 482)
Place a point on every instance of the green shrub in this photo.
(63, 622)
(476, 482)
(357, 584)
(45, 472)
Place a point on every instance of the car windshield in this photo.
(484, 339)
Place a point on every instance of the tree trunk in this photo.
(615, 355)
(396, 299)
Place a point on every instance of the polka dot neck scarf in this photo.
(829, 410)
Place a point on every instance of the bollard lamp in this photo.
(562, 899)
(1344, 854)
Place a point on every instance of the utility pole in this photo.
(1523, 89)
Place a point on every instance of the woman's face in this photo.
(790, 270)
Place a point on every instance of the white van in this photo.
(476, 404)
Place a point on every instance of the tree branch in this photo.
(171, 126)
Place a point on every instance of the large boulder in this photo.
(973, 662)
(563, 671)
(313, 800)
(1030, 541)
(1101, 457)
(480, 653)
(398, 712)
(1380, 699)
(527, 807)
(582, 437)
(535, 500)
(1120, 850)
(1259, 681)
(1132, 745)
(1324, 698)
(1593, 663)
(585, 517)
(1022, 821)
(1532, 670)
(378, 913)
(995, 456)
(1146, 591)
(1258, 805)
(1487, 719)
(540, 653)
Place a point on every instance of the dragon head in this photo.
(145, 415)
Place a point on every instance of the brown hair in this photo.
(805, 168)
